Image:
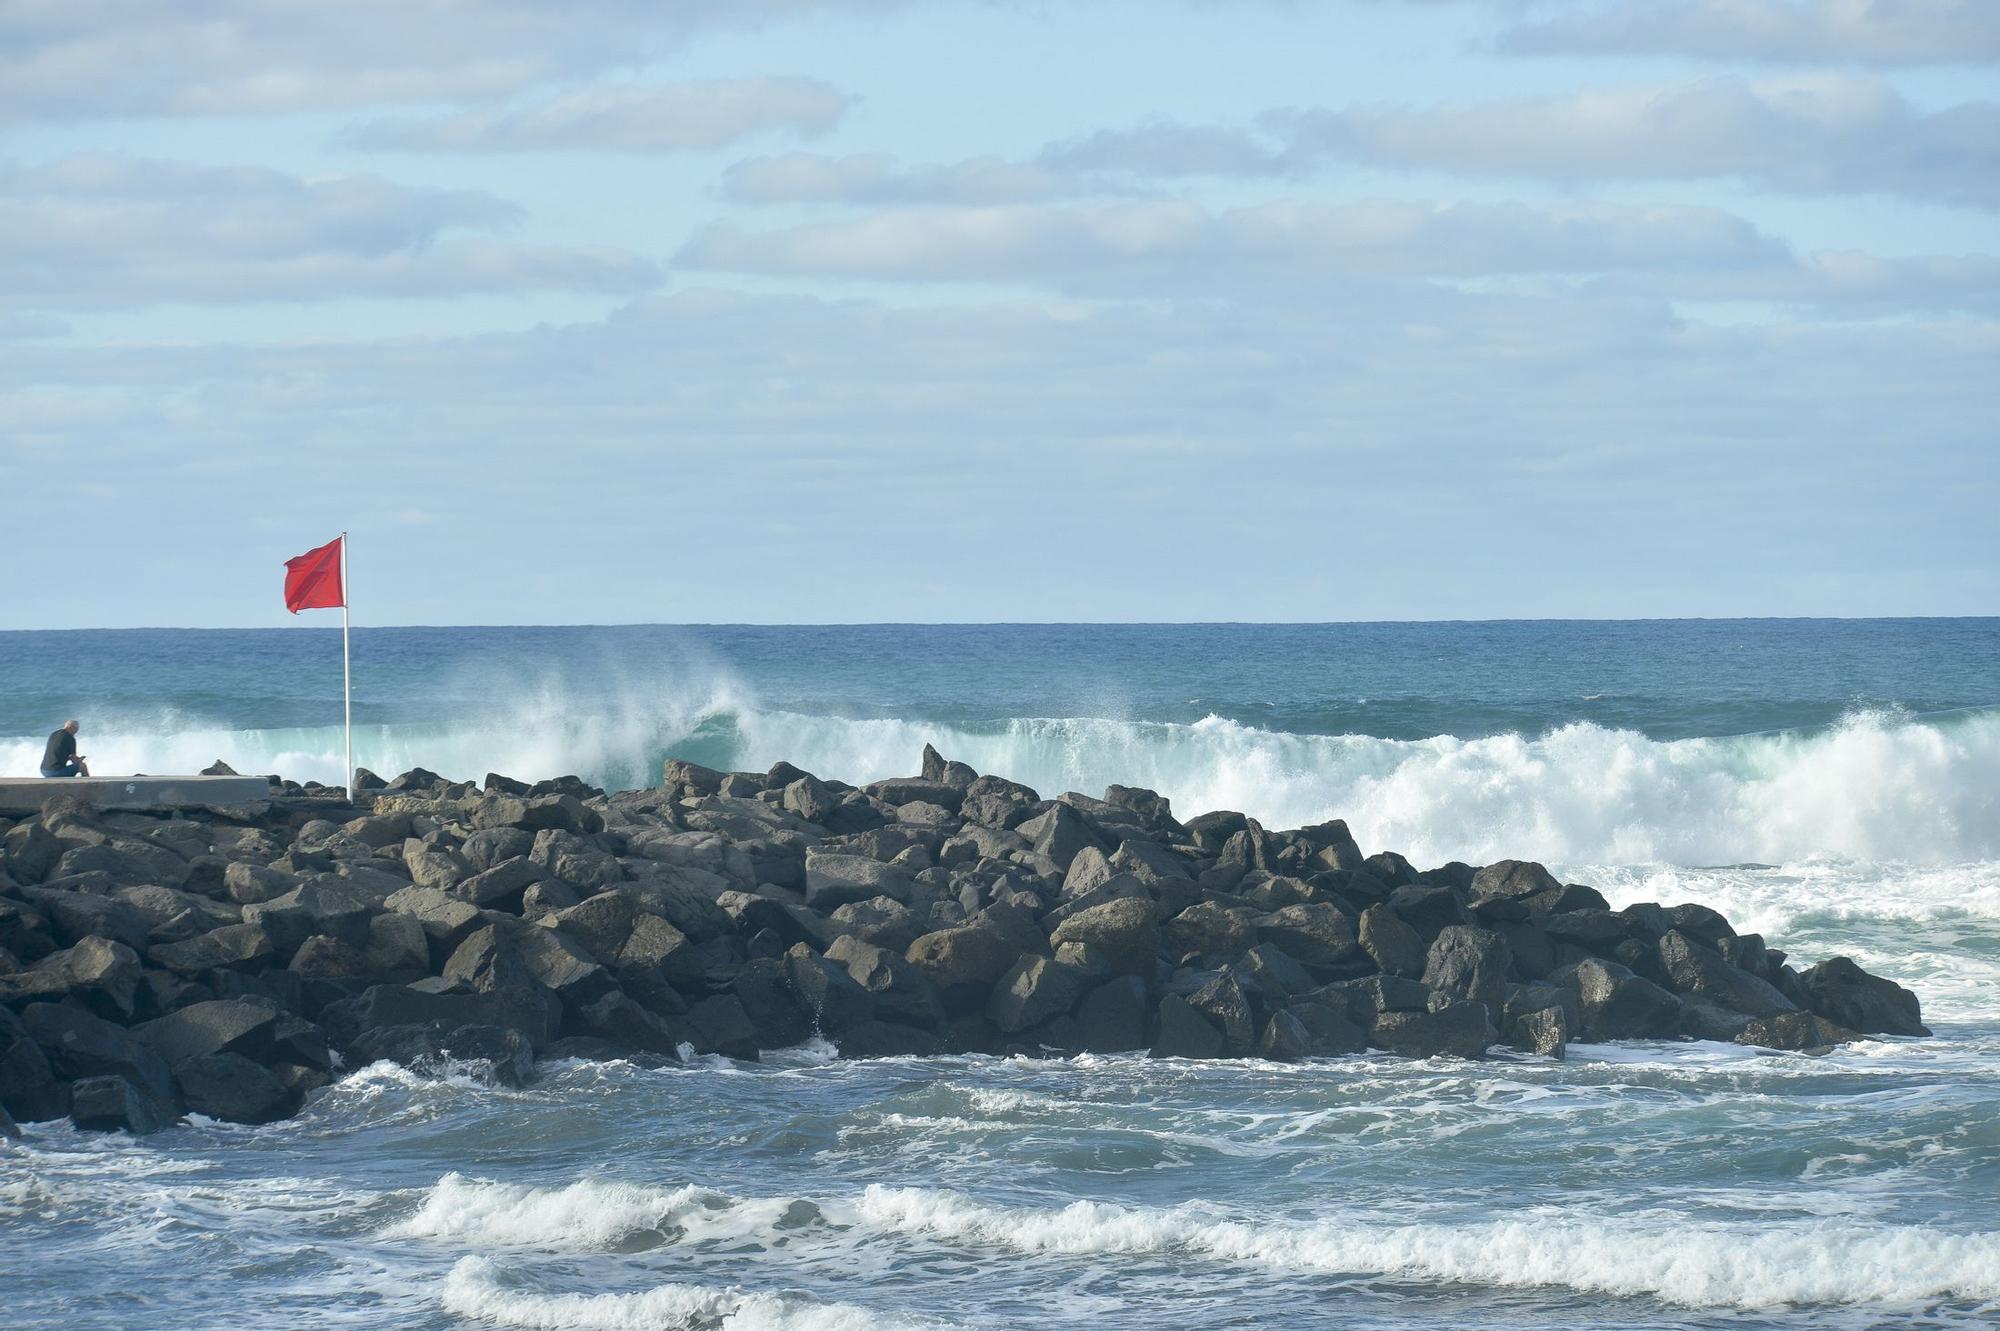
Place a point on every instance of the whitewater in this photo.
(1835, 785)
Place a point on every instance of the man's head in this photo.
(72, 725)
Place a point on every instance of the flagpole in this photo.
(346, 673)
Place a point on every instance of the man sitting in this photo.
(61, 757)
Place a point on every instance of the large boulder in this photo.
(964, 962)
(1123, 932)
(100, 974)
(1182, 1032)
(1798, 1031)
(1393, 945)
(79, 1045)
(1470, 964)
(111, 1103)
(232, 1088)
(1112, 1018)
(234, 946)
(1317, 934)
(1850, 997)
(1211, 932)
(899, 991)
(834, 880)
(1460, 1029)
(1695, 969)
(219, 1026)
(1615, 1004)
(1059, 832)
(1034, 990)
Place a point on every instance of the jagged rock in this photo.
(101, 974)
(1226, 1007)
(719, 1025)
(1123, 932)
(563, 967)
(492, 846)
(834, 880)
(1182, 1032)
(435, 866)
(916, 790)
(1059, 832)
(1470, 964)
(899, 991)
(75, 916)
(836, 1001)
(233, 945)
(1316, 934)
(232, 1088)
(1393, 945)
(500, 887)
(1798, 1031)
(882, 1039)
(1850, 997)
(1615, 1004)
(1513, 878)
(1694, 969)
(111, 1103)
(79, 1045)
(1461, 1029)
(28, 1087)
(617, 1018)
(1329, 1032)
(8, 1127)
(218, 1026)
(247, 884)
(31, 851)
(1211, 931)
(1034, 990)
(773, 1006)
(1428, 908)
(1285, 1039)
(445, 920)
(1544, 1031)
(964, 962)
(883, 921)
(1111, 1019)
(1273, 972)
(505, 1054)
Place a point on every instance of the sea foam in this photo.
(1688, 1263)
(1879, 787)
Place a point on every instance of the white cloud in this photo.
(875, 178)
(96, 231)
(1143, 460)
(1887, 32)
(85, 59)
(631, 118)
(1817, 134)
(1173, 245)
(1167, 147)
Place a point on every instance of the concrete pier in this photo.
(28, 794)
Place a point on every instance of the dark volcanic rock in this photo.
(232, 1088)
(1462, 1029)
(1694, 969)
(1393, 945)
(1470, 964)
(113, 1104)
(1848, 996)
(1183, 1032)
(1615, 1004)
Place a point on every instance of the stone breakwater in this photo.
(227, 961)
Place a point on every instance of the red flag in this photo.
(313, 581)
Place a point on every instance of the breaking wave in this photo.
(1709, 1264)
(1879, 786)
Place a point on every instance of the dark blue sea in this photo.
(1832, 784)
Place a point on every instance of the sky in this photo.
(825, 311)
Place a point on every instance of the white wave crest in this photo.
(1879, 787)
(1687, 1263)
(477, 1287)
(586, 1216)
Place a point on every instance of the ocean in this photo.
(1834, 785)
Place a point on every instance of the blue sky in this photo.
(840, 310)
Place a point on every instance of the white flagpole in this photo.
(346, 672)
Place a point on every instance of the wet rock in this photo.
(232, 1088)
(1471, 964)
(1211, 931)
(100, 974)
(1428, 909)
(503, 1054)
(1694, 969)
(79, 1045)
(1329, 1032)
(1850, 997)
(1615, 1004)
(28, 1087)
(219, 1026)
(111, 1103)
(719, 1025)
(1393, 945)
(833, 997)
(1112, 1018)
(234, 945)
(1798, 1031)
(1182, 1032)
(1460, 1029)
(1316, 934)
(883, 1039)
(1222, 1002)
(1034, 990)
(1544, 1031)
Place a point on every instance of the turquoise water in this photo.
(1833, 784)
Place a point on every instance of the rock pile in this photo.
(227, 962)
